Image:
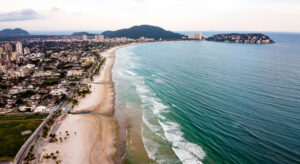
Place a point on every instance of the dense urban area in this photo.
(41, 78)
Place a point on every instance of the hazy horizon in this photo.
(205, 32)
(188, 15)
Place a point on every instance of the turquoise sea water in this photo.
(207, 102)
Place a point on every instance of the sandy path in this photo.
(92, 137)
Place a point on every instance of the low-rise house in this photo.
(25, 108)
(30, 66)
(35, 97)
(42, 74)
(55, 55)
(41, 109)
(44, 90)
(72, 58)
(32, 104)
(30, 87)
(50, 102)
(10, 103)
(74, 73)
(88, 60)
(15, 90)
(58, 92)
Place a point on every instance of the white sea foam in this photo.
(153, 118)
(149, 146)
(141, 89)
(154, 128)
(131, 73)
(158, 107)
(186, 151)
(152, 148)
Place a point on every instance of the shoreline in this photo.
(131, 148)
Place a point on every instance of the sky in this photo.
(176, 15)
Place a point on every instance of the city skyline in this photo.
(191, 15)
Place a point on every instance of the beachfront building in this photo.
(101, 38)
(58, 92)
(26, 51)
(197, 36)
(74, 73)
(84, 37)
(14, 56)
(96, 37)
(19, 48)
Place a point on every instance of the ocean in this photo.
(209, 102)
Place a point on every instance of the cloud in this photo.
(55, 9)
(22, 15)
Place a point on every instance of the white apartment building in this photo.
(197, 36)
(19, 48)
(84, 37)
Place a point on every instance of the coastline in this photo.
(131, 148)
(91, 137)
(99, 131)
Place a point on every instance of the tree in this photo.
(19, 102)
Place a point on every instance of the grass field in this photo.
(11, 127)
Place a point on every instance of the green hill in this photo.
(148, 31)
(13, 32)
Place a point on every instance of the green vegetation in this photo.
(62, 75)
(19, 101)
(50, 81)
(87, 66)
(99, 66)
(4, 86)
(11, 127)
(25, 94)
(49, 124)
(35, 116)
(30, 156)
(73, 79)
(96, 69)
(148, 31)
(52, 156)
(52, 138)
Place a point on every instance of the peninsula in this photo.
(252, 38)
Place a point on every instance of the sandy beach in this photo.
(88, 138)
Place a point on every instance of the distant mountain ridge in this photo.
(13, 32)
(148, 31)
(82, 33)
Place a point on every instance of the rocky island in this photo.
(252, 38)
